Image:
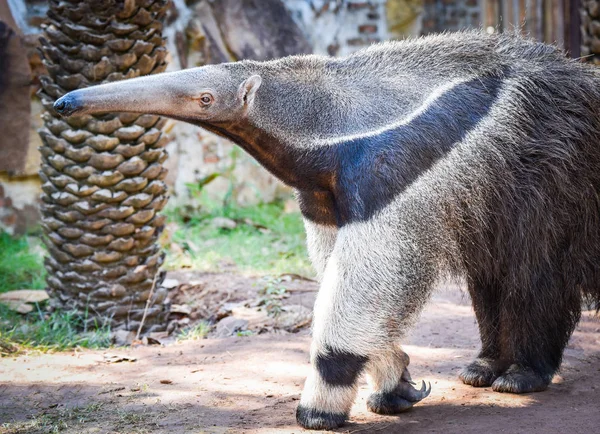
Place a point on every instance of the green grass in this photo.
(57, 331)
(195, 332)
(266, 240)
(21, 267)
(21, 263)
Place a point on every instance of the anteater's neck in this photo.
(300, 168)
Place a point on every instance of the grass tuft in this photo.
(195, 332)
(21, 267)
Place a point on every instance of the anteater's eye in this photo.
(206, 99)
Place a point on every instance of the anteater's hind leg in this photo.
(488, 365)
(535, 331)
(393, 390)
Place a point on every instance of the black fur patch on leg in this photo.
(388, 403)
(480, 373)
(521, 379)
(338, 368)
(310, 418)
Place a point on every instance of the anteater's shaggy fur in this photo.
(461, 155)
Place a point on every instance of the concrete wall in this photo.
(451, 15)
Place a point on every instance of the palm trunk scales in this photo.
(102, 175)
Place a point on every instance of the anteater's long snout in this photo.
(155, 94)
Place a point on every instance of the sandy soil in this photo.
(252, 384)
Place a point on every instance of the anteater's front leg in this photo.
(339, 352)
(366, 301)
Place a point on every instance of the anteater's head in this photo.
(209, 95)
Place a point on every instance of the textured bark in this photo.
(590, 31)
(14, 101)
(102, 175)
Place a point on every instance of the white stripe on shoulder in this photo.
(432, 98)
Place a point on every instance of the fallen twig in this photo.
(148, 302)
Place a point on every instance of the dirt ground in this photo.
(252, 383)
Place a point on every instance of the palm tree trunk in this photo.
(102, 175)
(590, 31)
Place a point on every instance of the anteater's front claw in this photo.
(403, 398)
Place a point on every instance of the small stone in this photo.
(170, 283)
(230, 325)
(182, 309)
(122, 337)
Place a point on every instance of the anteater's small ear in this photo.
(248, 89)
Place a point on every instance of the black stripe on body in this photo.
(370, 172)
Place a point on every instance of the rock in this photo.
(229, 326)
(170, 283)
(122, 337)
(223, 223)
(294, 316)
(25, 295)
(182, 309)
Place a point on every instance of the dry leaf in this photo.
(114, 358)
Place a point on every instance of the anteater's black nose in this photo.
(68, 104)
(60, 105)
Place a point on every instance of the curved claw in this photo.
(408, 392)
(403, 398)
